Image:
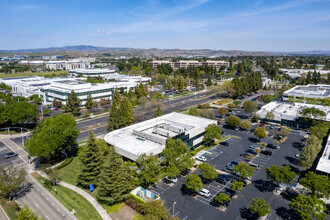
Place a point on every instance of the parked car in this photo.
(251, 151)
(216, 203)
(11, 154)
(236, 128)
(241, 180)
(228, 194)
(230, 168)
(297, 155)
(278, 137)
(225, 176)
(221, 180)
(218, 122)
(224, 143)
(254, 165)
(267, 152)
(170, 180)
(234, 162)
(252, 130)
(246, 155)
(272, 146)
(204, 192)
(201, 158)
(271, 127)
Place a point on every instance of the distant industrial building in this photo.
(150, 136)
(289, 113)
(61, 64)
(323, 166)
(91, 72)
(319, 91)
(296, 73)
(186, 63)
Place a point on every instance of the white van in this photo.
(204, 192)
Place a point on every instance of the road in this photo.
(42, 202)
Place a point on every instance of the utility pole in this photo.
(173, 207)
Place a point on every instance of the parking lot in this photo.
(186, 206)
(13, 161)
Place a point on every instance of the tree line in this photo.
(246, 84)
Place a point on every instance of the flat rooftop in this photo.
(324, 162)
(313, 91)
(150, 136)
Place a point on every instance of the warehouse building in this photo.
(319, 91)
(323, 166)
(150, 136)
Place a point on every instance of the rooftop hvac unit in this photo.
(161, 132)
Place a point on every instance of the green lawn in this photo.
(45, 74)
(71, 200)
(70, 172)
(114, 208)
(9, 207)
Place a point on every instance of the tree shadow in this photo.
(297, 145)
(253, 140)
(294, 169)
(263, 186)
(23, 190)
(292, 160)
(185, 191)
(286, 213)
(247, 214)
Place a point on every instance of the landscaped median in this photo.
(10, 207)
(74, 202)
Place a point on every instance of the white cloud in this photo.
(23, 8)
(104, 32)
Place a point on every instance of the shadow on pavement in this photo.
(247, 214)
(292, 160)
(297, 145)
(23, 190)
(254, 140)
(263, 185)
(286, 213)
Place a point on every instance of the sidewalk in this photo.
(15, 135)
(97, 206)
(3, 214)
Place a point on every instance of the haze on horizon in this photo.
(254, 25)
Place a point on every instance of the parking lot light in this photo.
(173, 207)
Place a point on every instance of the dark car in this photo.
(216, 203)
(240, 180)
(251, 151)
(267, 152)
(224, 143)
(272, 146)
(271, 127)
(10, 154)
(221, 180)
(252, 130)
(228, 194)
(225, 176)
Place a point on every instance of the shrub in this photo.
(64, 164)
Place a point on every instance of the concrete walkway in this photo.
(3, 214)
(97, 206)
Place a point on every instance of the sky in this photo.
(253, 25)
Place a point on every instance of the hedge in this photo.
(194, 152)
(65, 163)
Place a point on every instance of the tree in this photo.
(278, 174)
(149, 169)
(270, 116)
(222, 111)
(155, 210)
(53, 135)
(246, 124)
(114, 185)
(231, 106)
(208, 171)
(243, 170)
(317, 184)
(57, 103)
(233, 121)
(212, 132)
(194, 183)
(260, 207)
(11, 179)
(308, 207)
(21, 112)
(159, 111)
(313, 113)
(267, 98)
(89, 102)
(237, 185)
(310, 151)
(237, 103)
(114, 117)
(73, 104)
(260, 132)
(193, 111)
(250, 106)
(126, 113)
(47, 111)
(26, 214)
(284, 131)
(172, 170)
(222, 198)
(320, 130)
(92, 162)
(35, 98)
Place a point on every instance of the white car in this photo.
(201, 158)
(170, 180)
(277, 191)
(204, 192)
(297, 155)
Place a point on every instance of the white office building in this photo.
(289, 113)
(319, 91)
(323, 166)
(296, 73)
(150, 136)
(92, 72)
(186, 63)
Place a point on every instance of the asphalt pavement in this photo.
(13, 161)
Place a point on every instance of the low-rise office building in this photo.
(319, 91)
(323, 166)
(149, 137)
(296, 73)
(289, 113)
(92, 72)
(186, 63)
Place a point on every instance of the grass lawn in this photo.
(222, 101)
(9, 207)
(71, 200)
(114, 208)
(45, 74)
(70, 172)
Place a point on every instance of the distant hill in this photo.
(152, 52)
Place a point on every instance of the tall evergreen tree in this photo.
(114, 180)
(92, 162)
(73, 104)
(89, 102)
(159, 111)
(126, 113)
(114, 112)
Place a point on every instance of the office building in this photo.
(319, 91)
(323, 166)
(150, 136)
(91, 72)
(186, 63)
(289, 113)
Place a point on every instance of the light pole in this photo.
(22, 137)
(173, 207)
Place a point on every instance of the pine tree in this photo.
(89, 102)
(126, 113)
(114, 180)
(159, 111)
(92, 162)
(114, 118)
(73, 104)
